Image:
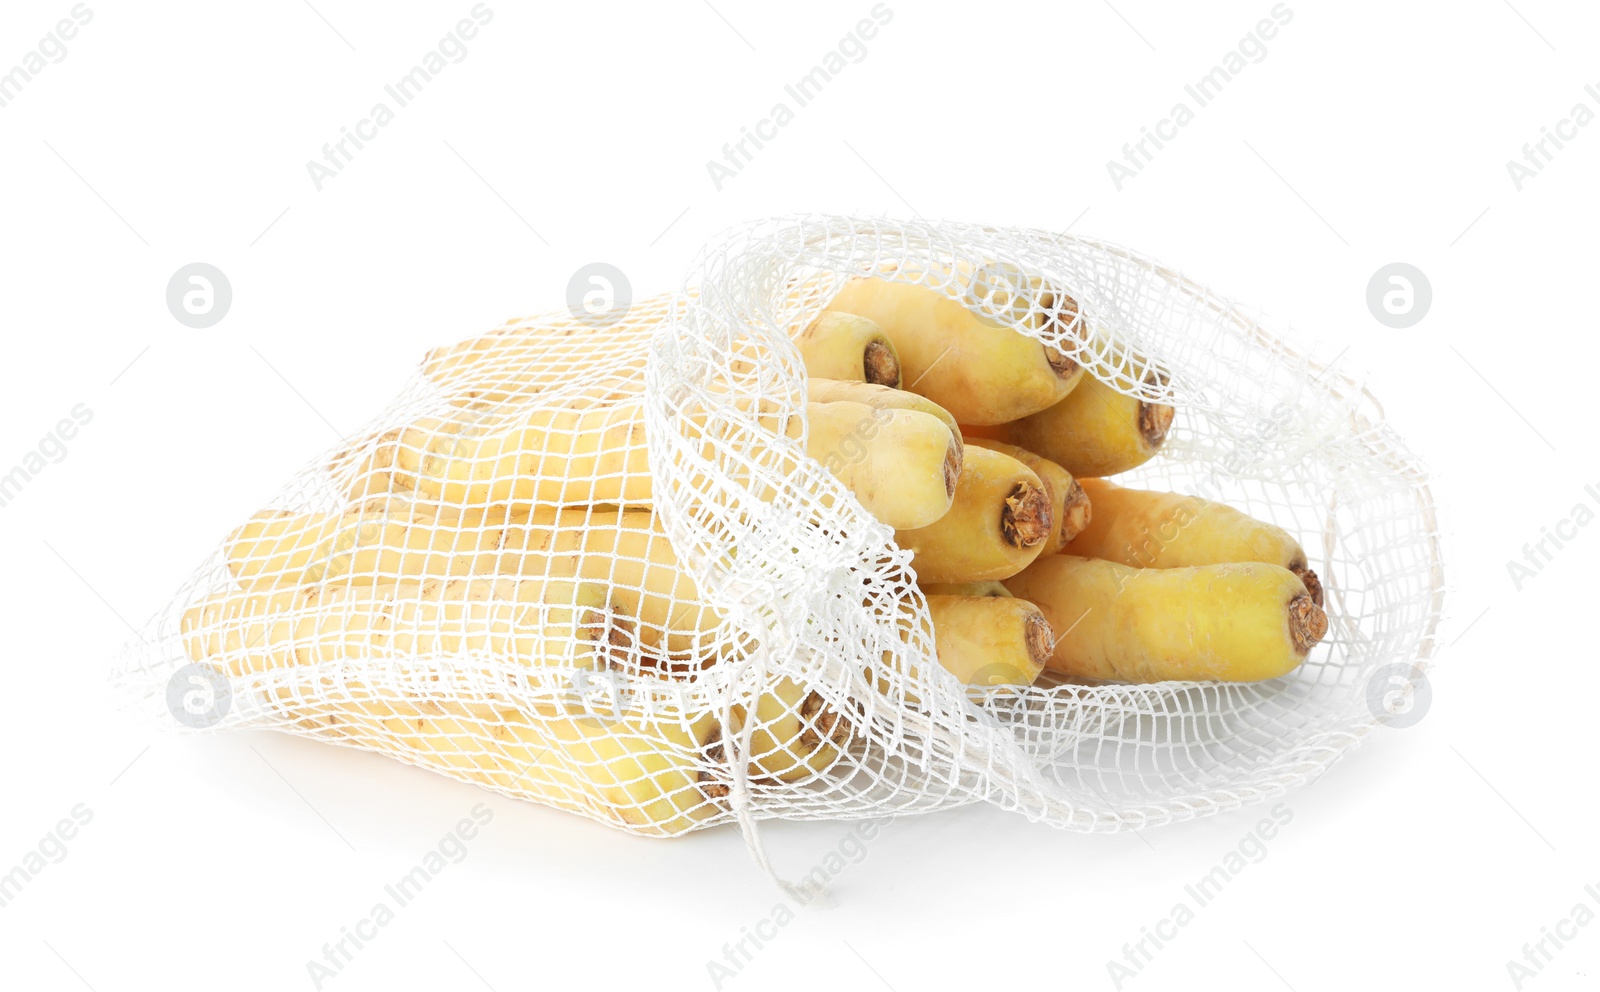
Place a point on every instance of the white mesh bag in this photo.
(589, 563)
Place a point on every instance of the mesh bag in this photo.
(587, 562)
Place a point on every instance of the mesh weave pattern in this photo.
(593, 566)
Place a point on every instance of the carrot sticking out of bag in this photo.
(879, 398)
(846, 346)
(1095, 431)
(990, 640)
(903, 465)
(1169, 530)
(983, 640)
(1239, 622)
(899, 460)
(982, 371)
(997, 524)
(1070, 506)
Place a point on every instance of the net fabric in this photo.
(643, 645)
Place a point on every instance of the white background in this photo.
(179, 132)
